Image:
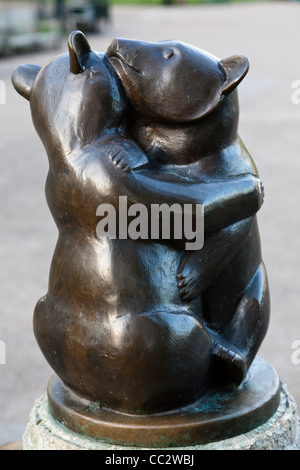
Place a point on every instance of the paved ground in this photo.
(270, 126)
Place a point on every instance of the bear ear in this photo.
(235, 67)
(23, 78)
(79, 48)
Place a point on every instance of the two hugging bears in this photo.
(144, 326)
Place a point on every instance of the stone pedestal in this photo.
(44, 432)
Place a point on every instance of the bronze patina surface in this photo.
(219, 415)
(144, 326)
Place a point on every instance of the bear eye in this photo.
(168, 53)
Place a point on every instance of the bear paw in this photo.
(232, 363)
(127, 159)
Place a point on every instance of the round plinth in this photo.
(217, 416)
(43, 432)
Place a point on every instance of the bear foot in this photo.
(232, 364)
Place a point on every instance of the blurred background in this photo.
(34, 32)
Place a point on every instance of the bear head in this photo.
(184, 100)
(74, 99)
(172, 81)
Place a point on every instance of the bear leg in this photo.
(237, 346)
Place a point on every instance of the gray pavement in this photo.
(269, 34)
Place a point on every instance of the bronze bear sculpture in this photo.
(119, 325)
(185, 113)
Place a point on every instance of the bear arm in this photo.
(224, 202)
(243, 197)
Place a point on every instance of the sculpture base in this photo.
(219, 415)
(259, 413)
(43, 432)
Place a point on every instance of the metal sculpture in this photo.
(144, 326)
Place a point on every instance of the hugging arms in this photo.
(229, 207)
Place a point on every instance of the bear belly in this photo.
(146, 363)
(132, 346)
